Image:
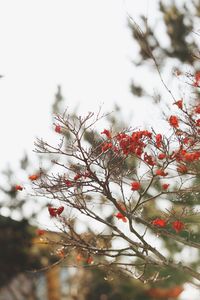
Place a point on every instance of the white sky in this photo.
(83, 45)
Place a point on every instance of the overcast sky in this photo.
(85, 46)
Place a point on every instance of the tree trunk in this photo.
(53, 283)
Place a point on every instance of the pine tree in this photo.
(175, 47)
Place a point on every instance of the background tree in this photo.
(173, 40)
(174, 55)
(20, 216)
(16, 202)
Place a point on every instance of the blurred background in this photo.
(81, 55)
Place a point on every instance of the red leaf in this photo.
(173, 121)
(165, 186)
(135, 186)
(178, 226)
(159, 222)
(60, 210)
(179, 103)
(18, 188)
(120, 216)
(58, 129)
(107, 133)
(33, 177)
